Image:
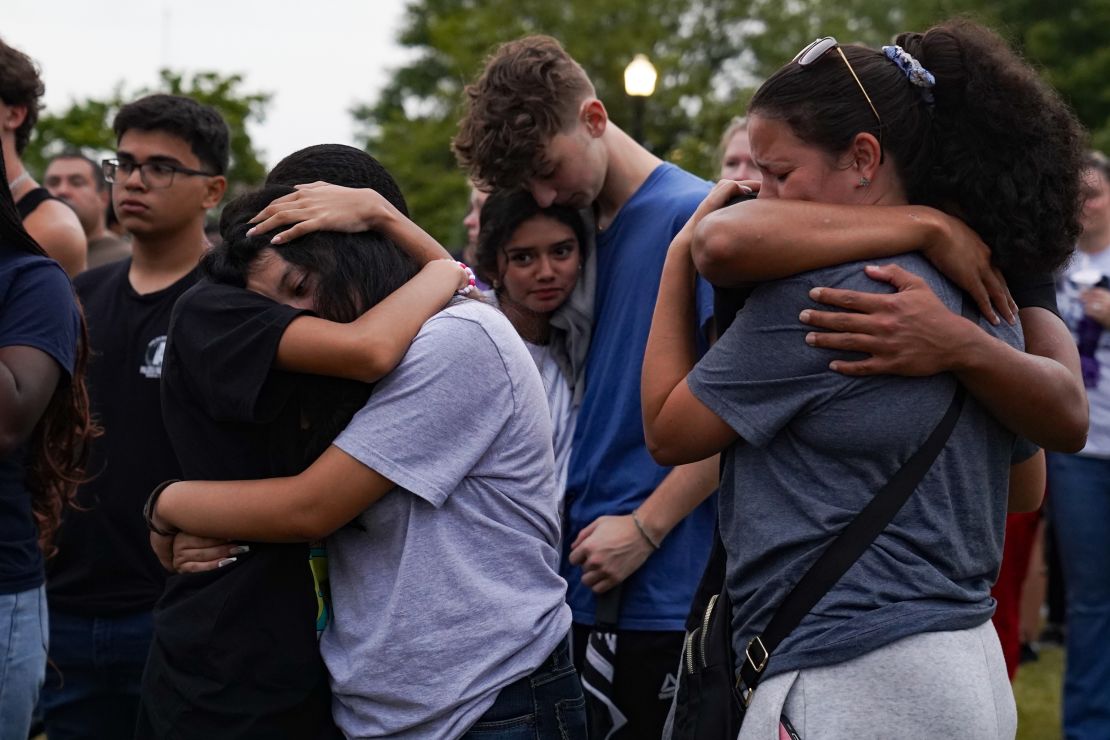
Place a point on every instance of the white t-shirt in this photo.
(560, 401)
(1082, 273)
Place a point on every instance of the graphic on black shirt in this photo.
(155, 352)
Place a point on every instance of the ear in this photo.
(14, 116)
(214, 191)
(592, 115)
(864, 154)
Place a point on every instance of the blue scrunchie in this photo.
(915, 73)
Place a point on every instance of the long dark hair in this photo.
(353, 273)
(998, 148)
(58, 448)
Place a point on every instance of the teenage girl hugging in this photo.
(440, 513)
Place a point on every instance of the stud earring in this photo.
(864, 182)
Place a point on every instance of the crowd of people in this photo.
(318, 479)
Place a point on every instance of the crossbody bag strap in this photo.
(848, 546)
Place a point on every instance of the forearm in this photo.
(762, 240)
(1038, 393)
(682, 491)
(1027, 483)
(271, 510)
(416, 242)
(670, 353)
(372, 345)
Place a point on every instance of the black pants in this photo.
(643, 678)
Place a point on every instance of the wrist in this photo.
(648, 521)
(154, 521)
(963, 353)
(934, 228)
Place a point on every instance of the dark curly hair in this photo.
(338, 164)
(998, 149)
(20, 84)
(503, 212)
(529, 91)
(58, 448)
(200, 126)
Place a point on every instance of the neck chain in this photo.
(23, 176)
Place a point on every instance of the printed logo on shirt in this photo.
(669, 687)
(155, 352)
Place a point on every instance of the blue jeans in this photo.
(97, 665)
(546, 705)
(1080, 511)
(23, 637)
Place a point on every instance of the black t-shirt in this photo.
(235, 651)
(37, 310)
(104, 565)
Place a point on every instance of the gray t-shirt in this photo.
(447, 589)
(817, 446)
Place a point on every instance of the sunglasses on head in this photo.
(818, 49)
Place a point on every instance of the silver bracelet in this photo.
(640, 526)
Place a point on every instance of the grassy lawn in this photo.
(1037, 692)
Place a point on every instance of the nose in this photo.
(544, 195)
(545, 270)
(134, 181)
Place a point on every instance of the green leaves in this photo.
(87, 124)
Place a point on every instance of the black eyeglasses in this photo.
(818, 49)
(153, 174)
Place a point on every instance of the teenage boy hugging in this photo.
(168, 171)
(533, 121)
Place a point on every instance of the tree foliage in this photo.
(87, 124)
(710, 54)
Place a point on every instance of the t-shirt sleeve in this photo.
(1023, 450)
(225, 340)
(39, 310)
(1034, 291)
(761, 374)
(430, 421)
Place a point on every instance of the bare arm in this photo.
(611, 548)
(1027, 481)
(320, 206)
(1038, 393)
(678, 427)
(331, 492)
(372, 345)
(768, 239)
(56, 228)
(28, 377)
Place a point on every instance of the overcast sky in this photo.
(317, 57)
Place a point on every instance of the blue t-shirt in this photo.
(817, 447)
(37, 309)
(611, 471)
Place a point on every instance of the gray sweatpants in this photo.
(933, 685)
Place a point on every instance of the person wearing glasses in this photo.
(857, 143)
(172, 153)
(49, 222)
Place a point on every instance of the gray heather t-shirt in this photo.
(447, 589)
(818, 445)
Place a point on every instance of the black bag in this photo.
(705, 707)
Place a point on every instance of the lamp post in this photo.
(639, 84)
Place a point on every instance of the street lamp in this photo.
(639, 84)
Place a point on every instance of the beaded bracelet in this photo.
(640, 526)
(151, 502)
(471, 282)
